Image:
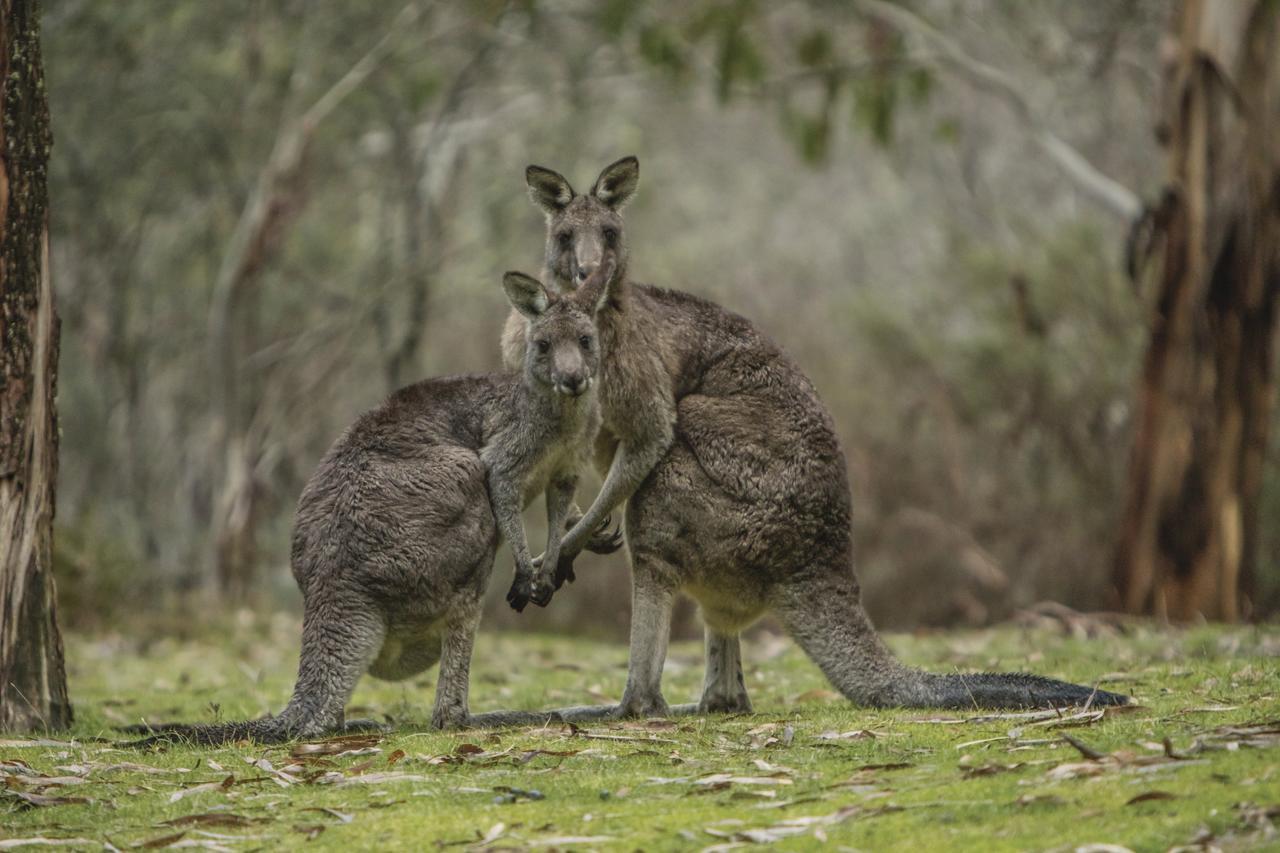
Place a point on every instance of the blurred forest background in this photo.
(267, 214)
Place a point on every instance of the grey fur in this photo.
(736, 486)
(396, 530)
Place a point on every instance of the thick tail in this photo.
(826, 618)
(1008, 690)
(268, 730)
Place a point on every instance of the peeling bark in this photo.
(1188, 536)
(33, 682)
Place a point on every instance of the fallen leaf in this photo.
(162, 841)
(564, 840)
(722, 778)
(209, 819)
(11, 843)
(1147, 796)
(200, 789)
(337, 746)
(1040, 800)
(40, 800)
(375, 779)
(1077, 770)
(856, 734)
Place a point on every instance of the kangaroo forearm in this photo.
(559, 500)
(630, 467)
(559, 496)
(505, 500)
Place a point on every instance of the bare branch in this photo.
(1104, 189)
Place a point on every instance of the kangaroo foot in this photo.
(718, 703)
(451, 719)
(642, 706)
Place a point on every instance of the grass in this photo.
(807, 767)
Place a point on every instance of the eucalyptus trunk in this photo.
(1188, 538)
(33, 681)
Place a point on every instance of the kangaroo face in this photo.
(561, 349)
(584, 232)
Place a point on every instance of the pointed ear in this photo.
(617, 182)
(549, 190)
(526, 294)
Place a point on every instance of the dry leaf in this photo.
(11, 843)
(40, 800)
(730, 779)
(162, 841)
(209, 819)
(200, 789)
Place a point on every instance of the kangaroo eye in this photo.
(585, 341)
(543, 345)
(564, 238)
(611, 236)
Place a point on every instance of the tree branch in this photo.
(1105, 190)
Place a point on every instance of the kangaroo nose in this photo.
(584, 273)
(573, 385)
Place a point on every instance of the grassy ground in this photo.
(1196, 763)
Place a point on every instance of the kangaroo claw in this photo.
(604, 541)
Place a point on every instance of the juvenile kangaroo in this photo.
(396, 530)
(736, 486)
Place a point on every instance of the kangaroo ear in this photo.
(526, 294)
(617, 183)
(549, 190)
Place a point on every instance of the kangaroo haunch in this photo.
(396, 530)
(736, 486)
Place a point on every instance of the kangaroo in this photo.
(396, 530)
(736, 486)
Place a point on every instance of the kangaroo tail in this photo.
(1008, 690)
(268, 730)
(827, 619)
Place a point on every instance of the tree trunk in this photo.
(33, 681)
(1188, 536)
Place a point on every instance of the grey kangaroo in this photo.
(736, 486)
(396, 530)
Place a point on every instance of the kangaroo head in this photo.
(562, 350)
(583, 231)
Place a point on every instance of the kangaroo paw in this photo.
(542, 590)
(564, 571)
(605, 541)
(521, 592)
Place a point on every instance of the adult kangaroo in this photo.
(397, 528)
(736, 486)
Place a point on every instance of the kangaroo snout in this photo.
(573, 386)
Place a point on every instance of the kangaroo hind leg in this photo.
(339, 642)
(724, 691)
